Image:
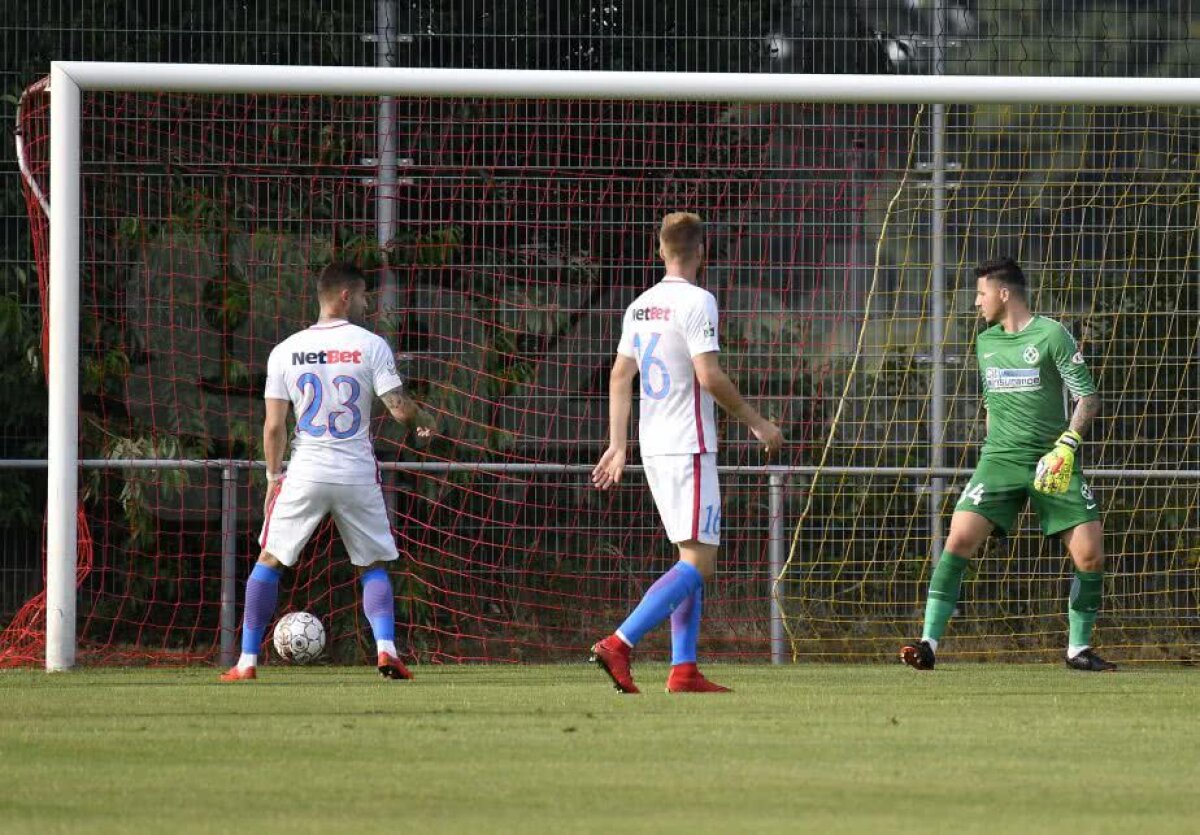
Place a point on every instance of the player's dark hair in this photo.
(1007, 272)
(339, 276)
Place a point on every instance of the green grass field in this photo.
(968, 748)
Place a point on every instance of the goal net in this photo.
(1101, 206)
(503, 245)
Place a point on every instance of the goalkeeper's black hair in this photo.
(338, 276)
(1007, 272)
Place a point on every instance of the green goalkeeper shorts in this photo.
(998, 490)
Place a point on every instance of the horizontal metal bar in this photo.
(532, 468)
(586, 84)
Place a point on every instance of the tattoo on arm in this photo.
(393, 399)
(399, 404)
(1085, 410)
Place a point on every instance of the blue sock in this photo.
(262, 592)
(685, 628)
(379, 603)
(660, 600)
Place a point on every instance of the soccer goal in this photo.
(508, 218)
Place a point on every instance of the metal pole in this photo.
(386, 17)
(229, 520)
(775, 554)
(860, 270)
(937, 330)
(62, 472)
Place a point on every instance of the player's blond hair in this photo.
(681, 236)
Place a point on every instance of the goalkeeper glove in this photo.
(1054, 468)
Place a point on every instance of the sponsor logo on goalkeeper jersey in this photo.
(653, 313)
(1014, 379)
(326, 357)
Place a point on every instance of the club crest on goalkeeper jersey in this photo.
(1029, 379)
(662, 330)
(331, 373)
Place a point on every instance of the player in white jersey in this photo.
(329, 374)
(669, 338)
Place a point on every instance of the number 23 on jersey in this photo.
(347, 391)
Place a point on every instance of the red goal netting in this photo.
(521, 231)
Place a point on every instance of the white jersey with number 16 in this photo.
(662, 330)
(331, 373)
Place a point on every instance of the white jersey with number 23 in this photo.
(331, 373)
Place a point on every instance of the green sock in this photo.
(1084, 605)
(943, 594)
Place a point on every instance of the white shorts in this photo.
(688, 495)
(357, 509)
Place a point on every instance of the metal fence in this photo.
(781, 480)
(773, 37)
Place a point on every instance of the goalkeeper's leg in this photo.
(968, 531)
(1086, 545)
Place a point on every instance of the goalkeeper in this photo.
(1029, 364)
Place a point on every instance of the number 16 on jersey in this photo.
(648, 363)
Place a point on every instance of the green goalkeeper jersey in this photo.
(1027, 377)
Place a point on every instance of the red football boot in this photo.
(392, 667)
(686, 678)
(612, 654)
(240, 674)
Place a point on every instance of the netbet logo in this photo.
(652, 314)
(325, 357)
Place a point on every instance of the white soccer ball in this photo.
(299, 637)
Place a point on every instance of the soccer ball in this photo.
(299, 637)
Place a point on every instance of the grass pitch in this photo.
(538, 749)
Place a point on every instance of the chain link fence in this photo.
(1023, 38)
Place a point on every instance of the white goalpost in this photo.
(69, 80)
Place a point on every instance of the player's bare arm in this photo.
(405, 410)
(274, 444)
(612, 463)
(717, 383)
(1086, 410)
